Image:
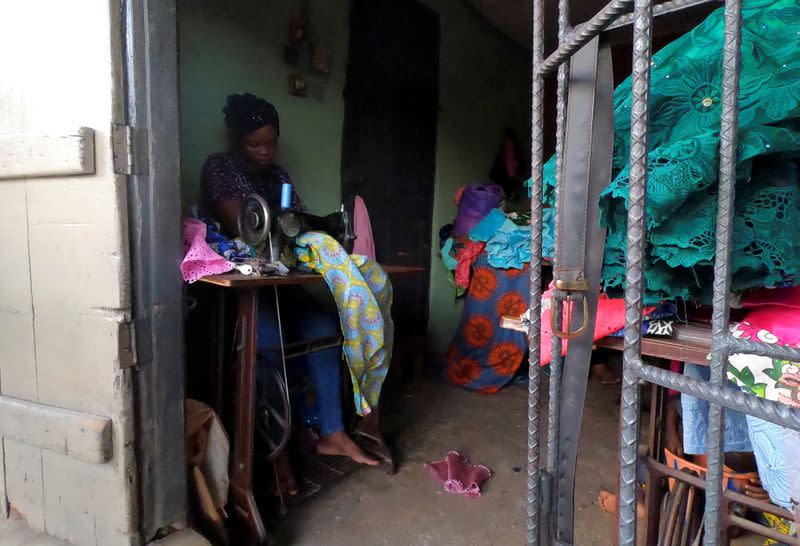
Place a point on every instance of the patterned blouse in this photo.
(226, 176)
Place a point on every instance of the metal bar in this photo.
(554, 409)
(664, 8)
(761, 530)
(303, 348)
(583, 35)
(722, 263)
(660, 470)
(634, 278)
(557, 361)
(654, 486)
(783, 352)
(736, 400)
(534, 333)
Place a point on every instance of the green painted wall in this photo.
(235, 46)
(485, 85)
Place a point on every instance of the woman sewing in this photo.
(227, 178)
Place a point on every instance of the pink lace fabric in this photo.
(458, 476)
(200, 259)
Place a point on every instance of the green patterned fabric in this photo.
(684, 160)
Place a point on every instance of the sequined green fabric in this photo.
(684, 160)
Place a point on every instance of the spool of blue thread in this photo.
(286, 196)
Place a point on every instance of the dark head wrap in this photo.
(246, 113)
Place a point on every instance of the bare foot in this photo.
(286, 483)
(340, 443)
(603, 375)
(608, 503)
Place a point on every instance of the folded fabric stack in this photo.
(685, 105)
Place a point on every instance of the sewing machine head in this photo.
(278, 229)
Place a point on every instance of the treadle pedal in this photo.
(316, 473)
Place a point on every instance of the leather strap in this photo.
(587, 171)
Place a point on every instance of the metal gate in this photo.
(549, 513)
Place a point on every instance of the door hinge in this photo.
(127, 345)
(128, 147)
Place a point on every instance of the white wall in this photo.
(64, 293)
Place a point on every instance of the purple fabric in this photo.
(458, 476)
(475, 203)
(227, 177)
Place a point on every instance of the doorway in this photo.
(389, 138)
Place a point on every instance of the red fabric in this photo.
(466, 257)
(781, 297)
(782, 321)
(675, 366)
(459, 477)
(610, 318)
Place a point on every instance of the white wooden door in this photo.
(66, 401)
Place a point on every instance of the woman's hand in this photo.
(755, 490)
(227, 212)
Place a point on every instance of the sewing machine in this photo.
(258, 224)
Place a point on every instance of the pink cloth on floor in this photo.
(200, 259)
(459, 477)
(364, 244)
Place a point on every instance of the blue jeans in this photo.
(695, 420)
(302, 320)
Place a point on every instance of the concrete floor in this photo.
(410, 507)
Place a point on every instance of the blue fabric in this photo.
(665, 310)
(447, 259)
(548, 232)
(486, 228)
(768, 445)
(508, 245)
(695, 420)
(230, 249)
(510, 248)
(303, 320)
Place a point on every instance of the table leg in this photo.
(244, 415)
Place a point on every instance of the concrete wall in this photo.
(65, 291)
(238, 46)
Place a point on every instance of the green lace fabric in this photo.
(684, 160)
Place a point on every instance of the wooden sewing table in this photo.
(247, 289)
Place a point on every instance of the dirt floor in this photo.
(410, 508)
